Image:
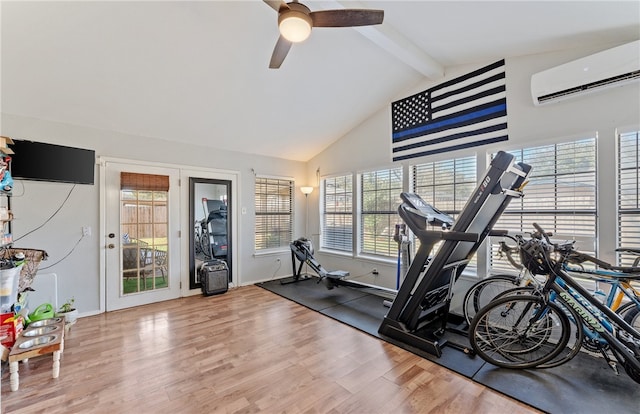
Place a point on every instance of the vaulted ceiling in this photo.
(197, 72)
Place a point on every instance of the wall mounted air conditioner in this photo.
(606, 69)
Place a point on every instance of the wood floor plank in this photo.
(246, 351)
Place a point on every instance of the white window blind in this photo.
(560, 196)
(274, 209)
(337, 213)
(380, 198)
(628, 194)
(446, 185)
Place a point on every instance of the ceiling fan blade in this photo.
(279, 52)
(346, 17)
(276, 4)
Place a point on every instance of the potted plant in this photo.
(68, 311)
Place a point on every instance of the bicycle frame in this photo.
(619, 288)
(595, 315)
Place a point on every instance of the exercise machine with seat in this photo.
(302, 251)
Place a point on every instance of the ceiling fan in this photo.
(295, 22)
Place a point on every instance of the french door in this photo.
(142, 222)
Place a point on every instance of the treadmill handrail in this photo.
(429, 235)
(413, 218)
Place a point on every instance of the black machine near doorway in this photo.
(210, 212)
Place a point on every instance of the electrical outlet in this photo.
(374, 271)
(86, 231)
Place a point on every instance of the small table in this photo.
(27, 347)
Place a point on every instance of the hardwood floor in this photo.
(245, 351)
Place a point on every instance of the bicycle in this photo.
(619, 285)
(528, 330)
(202, 240)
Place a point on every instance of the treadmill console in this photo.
(432, 215)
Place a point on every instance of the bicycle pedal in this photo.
(614, 367)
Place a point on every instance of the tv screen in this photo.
(49, 162)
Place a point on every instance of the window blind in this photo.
(379, 201)
(143, 182)
(274, 210)
(560, 196)
(628, 194)
(337, 213)
(446, 185)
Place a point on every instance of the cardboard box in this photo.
(11, 327)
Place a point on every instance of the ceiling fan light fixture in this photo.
(295, 26)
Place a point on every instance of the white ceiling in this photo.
(197, 72)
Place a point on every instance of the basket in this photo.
(32, 259)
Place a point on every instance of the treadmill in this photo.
(419, 313)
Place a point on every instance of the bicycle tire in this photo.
(483, 291)
(576, 336)
(632, 317)
(626, 308)
(197, 246)
(501, 332)
(205, 244)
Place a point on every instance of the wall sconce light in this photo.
(306, 190)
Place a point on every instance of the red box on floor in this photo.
(10, 327)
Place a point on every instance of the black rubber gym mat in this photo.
(584, 385)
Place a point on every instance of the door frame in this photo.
(185, 172)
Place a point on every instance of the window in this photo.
(446, 185)
(337, 213)
(379, 198)
(274, 207)
(628, 194)
(560, 195)
(144, 217)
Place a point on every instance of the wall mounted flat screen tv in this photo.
(48, 162)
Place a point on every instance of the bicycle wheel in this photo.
(630, 308)
(632, 317)
(205, 244)
(197, 244)
(482, 292)
(576, 335)
(521, 331)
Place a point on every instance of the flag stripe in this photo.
(447, 138)
(478, 73)
(450, 137)
(463, 112)
(452, 148)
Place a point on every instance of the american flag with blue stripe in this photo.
(467, 111)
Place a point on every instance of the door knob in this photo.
(111, 245)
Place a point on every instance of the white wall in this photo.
(366, 147)
(369, 145)
(79, 273)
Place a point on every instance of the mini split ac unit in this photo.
(606, 69)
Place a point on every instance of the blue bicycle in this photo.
(534, 328)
